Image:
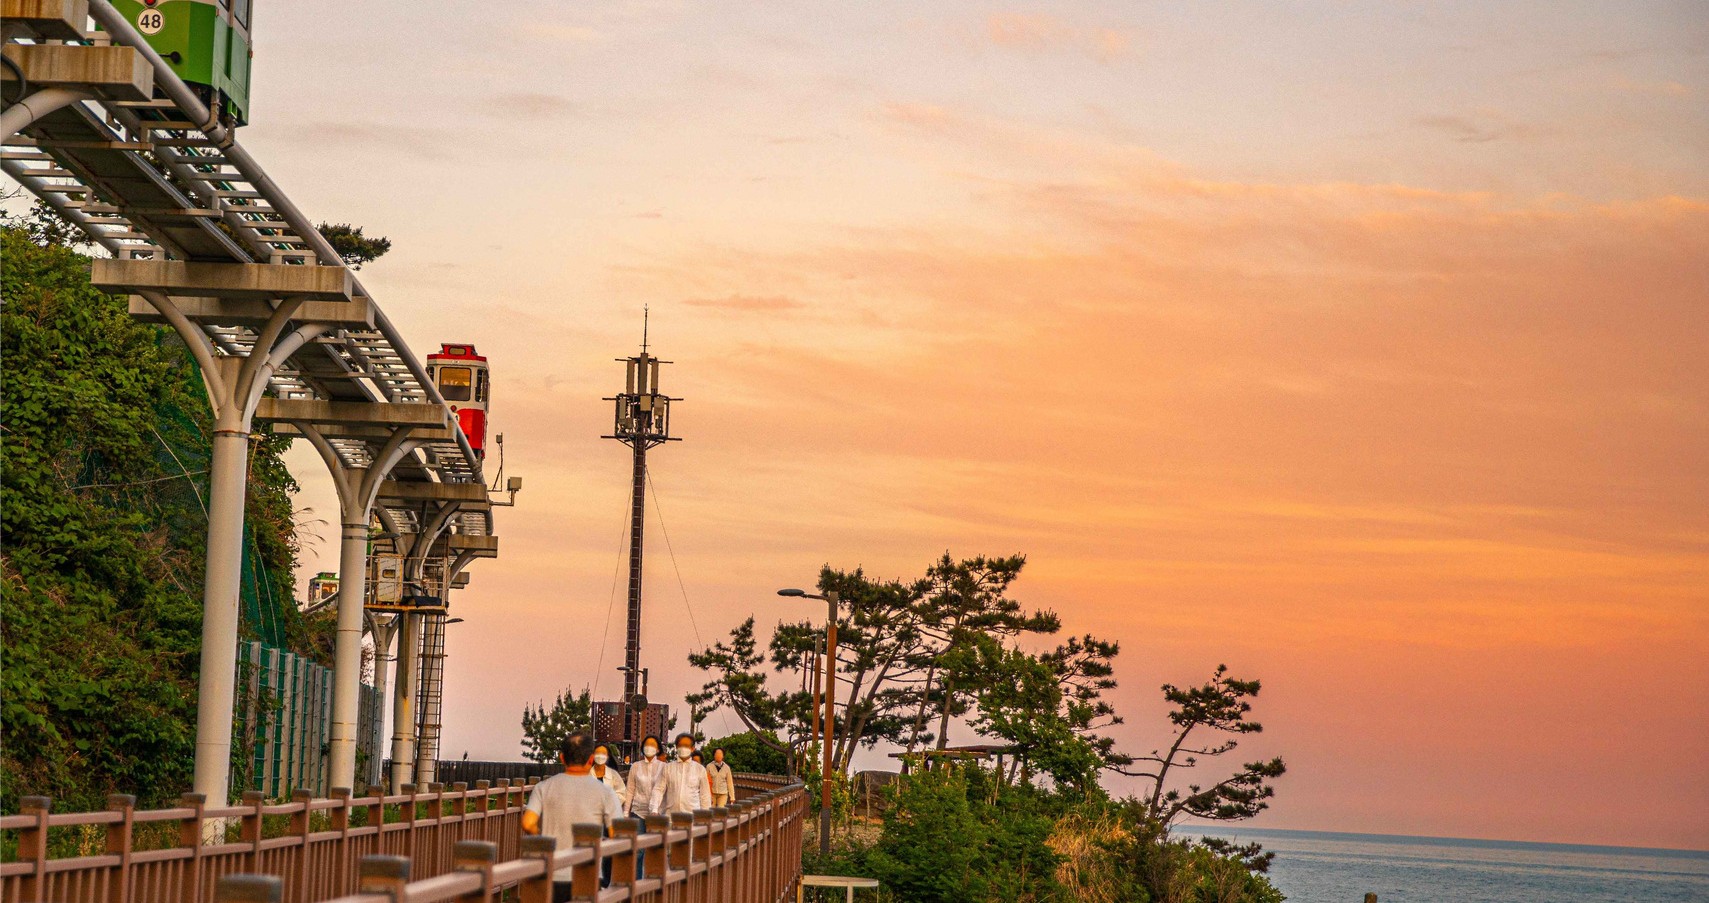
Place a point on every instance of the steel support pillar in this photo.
(403, 701)
(357, 488)
(384, 630)
(235, 385)
(347, 653)
(423, 748)
(222, 584)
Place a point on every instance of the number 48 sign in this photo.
(150, 21)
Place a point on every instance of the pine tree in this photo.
(544, 730)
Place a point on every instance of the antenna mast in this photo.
(642, 422)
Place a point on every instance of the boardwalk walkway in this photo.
(459, 844)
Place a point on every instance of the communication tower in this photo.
(642, 422)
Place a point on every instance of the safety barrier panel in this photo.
(286, 709)
(461, 844)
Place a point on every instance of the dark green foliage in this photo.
(961, 834)
(934, 849)
(750, 752)
(1146, 864)
(899, 645)
(544, 730)
(46, 227)
(352, 245)
(103, 466)
(1220, 705)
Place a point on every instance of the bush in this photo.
(746, 752)
(105, 424)
(959, 835)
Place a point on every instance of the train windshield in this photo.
(455, 383)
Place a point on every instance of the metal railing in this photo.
(441, 845)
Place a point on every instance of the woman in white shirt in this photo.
(643, 777)
(607, 773)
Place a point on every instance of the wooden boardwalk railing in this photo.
(458, 844)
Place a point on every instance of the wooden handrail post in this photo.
(191, 838)
(250, 832)
(655, 863)
(682, 852)
(703, 845)
(623, 864)
(249, 889)
(32, 843)
(544, 849)
(739, 878)
(436, 806)
(476, 856)
(584, 876)
(383, 875)
(119, 841)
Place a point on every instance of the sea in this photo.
(1323, 867)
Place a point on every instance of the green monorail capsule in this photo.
(207, 44)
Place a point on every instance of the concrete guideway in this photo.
(108, 136)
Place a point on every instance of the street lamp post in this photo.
(830, 684)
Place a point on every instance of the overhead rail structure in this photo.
(100, 128)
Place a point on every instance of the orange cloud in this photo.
(748, 303)
(1039, 32)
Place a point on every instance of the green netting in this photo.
(184, 447)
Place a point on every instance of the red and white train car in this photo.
(461, 375)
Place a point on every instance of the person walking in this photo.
(684, 787)
(723, 782)
(607, 773)
(574, 797)
(644, 775)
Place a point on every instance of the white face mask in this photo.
(683, 752)
(600, 758)
(650, 752)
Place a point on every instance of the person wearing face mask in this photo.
(643, 777)
(644, 774)
(684, 786)
(572, 798)
(606, 772)
(721, 779)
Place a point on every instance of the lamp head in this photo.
(792, 592)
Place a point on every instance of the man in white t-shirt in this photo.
(575, 797)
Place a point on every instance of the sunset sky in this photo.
(1360, 346)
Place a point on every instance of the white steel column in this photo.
(403, 701)
(215, 688)
(357, 488)
(347, 654)
(384, 630)
(234, 385)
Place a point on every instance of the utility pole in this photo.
(642, 422)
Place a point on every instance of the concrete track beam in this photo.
(240, 281)
(53, 20)
(368, 433)
(457, 543)
(355, 413)
(357, 312)
(116, 73)
(397, 491)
